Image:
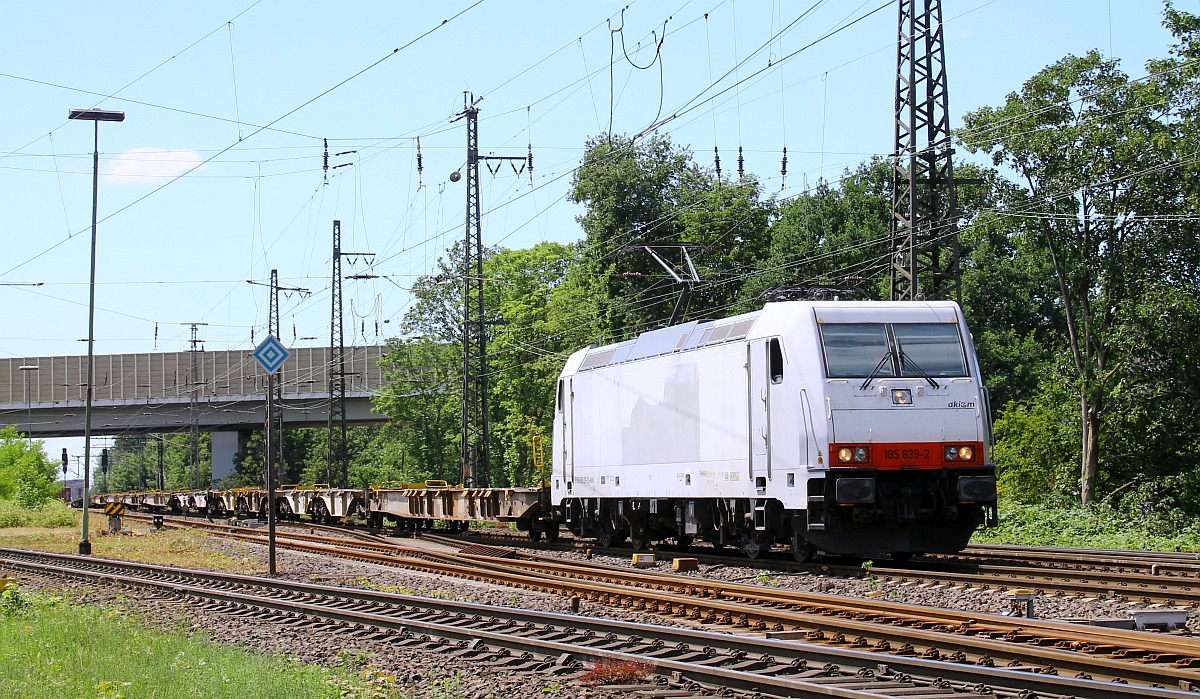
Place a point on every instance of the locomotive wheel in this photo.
(683, 540)
(802, 551)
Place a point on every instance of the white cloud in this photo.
(149, 165)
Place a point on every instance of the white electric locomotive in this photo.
(847, 427)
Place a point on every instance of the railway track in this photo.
(1152, 578)
(688, 662)
(1166, 563)
(882, 625)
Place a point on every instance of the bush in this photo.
(1098, 526)
(616, 672)
(50, 514)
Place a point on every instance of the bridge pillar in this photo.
(225, 449)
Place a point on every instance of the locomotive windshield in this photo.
(918, 350)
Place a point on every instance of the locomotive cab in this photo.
(909, 436)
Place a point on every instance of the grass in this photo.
(186, 548)
(54, 650)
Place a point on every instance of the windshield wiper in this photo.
(904, 359)
(887, 357)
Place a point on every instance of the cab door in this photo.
(566, 431)
(759, 406)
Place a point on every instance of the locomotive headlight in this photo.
(853, 455)
(901, 396)
(960, 453)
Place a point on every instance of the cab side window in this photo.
(776, 361)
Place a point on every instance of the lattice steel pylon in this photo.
(924, 235)
(475, 429)
(476, 433)
(335, 450)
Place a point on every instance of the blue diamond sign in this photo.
(271, 354)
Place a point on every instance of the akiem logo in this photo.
(960, 404)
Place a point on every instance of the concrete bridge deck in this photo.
(152, 392)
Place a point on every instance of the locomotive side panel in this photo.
(661, 427)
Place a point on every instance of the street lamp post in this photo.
(26, 369)
(95, 116)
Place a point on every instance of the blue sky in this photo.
(217, 176)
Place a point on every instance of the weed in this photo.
(447, 687)
(765, 578)
(616, 672)
(1098, 526)
(50, 514)
(13, 602)
(353, 656)
(390, 589)
(376, 684)
(871, 581)
(111, 690)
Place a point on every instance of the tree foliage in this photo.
(833, 236)
(27, 476)
(1099, 206)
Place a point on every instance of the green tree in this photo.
(423, 398)
(726, 226)
(27, 476)
(1012, 312)
(133, 463)
(541, 319)
(634, 191)
(1092, 150)
(834, 236)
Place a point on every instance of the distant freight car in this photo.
(855, 428)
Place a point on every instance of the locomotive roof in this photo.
(696, 334)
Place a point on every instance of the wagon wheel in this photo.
(802, 551)
(755, 547)
(683, 540)
(535, 534)
(319, 512)
(552, 535)
(607, 534)
(639, 537)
